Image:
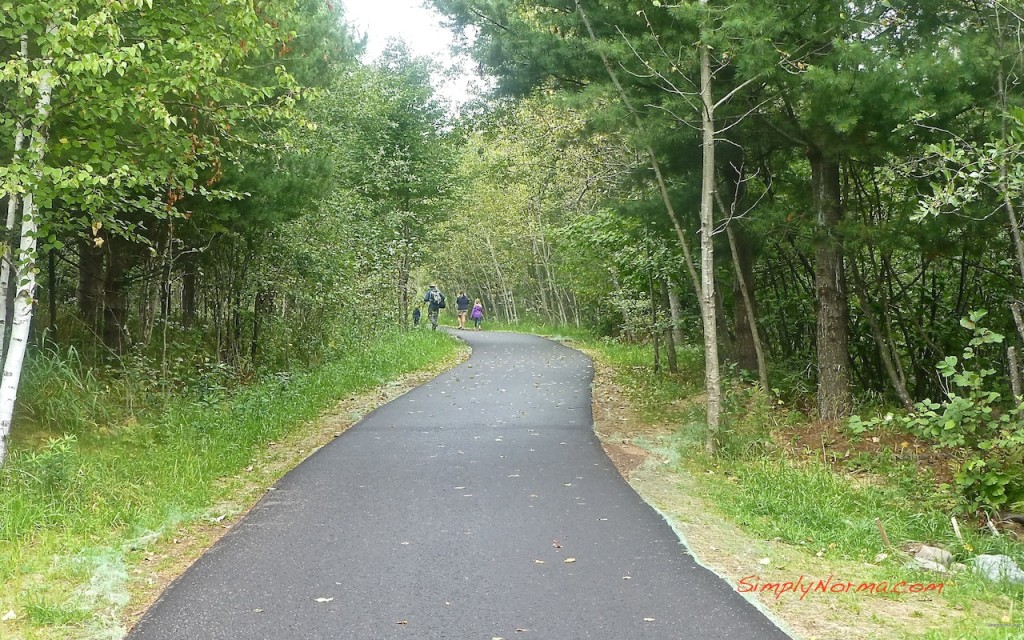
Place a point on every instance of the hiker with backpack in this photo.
(435, 302)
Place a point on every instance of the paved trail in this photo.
(452, 513)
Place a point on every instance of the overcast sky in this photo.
(420, 28)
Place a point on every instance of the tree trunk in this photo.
(670, 341)
(8, 258)
(834, 398)
(14, 358)
(748, 336)
(188, 294)
(885, 352)
(676, 310)
(654, 317)
(115, 296)
(712, 375)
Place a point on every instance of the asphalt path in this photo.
(477, 506)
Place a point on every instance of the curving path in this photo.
(453, 513)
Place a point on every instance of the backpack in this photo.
(437, 298)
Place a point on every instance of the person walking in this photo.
(478, 313)
(435, 302)
(462, 306)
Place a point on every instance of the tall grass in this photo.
(107, 489)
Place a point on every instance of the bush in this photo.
(986, 437)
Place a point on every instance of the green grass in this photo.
(75, 510)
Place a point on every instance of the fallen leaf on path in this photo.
(538, 562)
(556, 544)
(648, 619)
(257, 610)
(324, 599)
(569, 560)
(402, 622)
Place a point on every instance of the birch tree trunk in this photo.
(7, 259)
(25, 268)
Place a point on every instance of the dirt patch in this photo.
(160, 564)
(831, 443)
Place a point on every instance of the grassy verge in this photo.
(785, 498)
(82, 515)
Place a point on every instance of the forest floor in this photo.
(647, 452)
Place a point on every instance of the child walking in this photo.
(477, 315)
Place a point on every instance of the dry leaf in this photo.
(569, 560)
(556, 544)
(538, 562)
(324, 599)
(10, 615)
(402, 622)
(648, 619)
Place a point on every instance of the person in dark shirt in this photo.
(462, 306)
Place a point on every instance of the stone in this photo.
(929, 565)
(935, 554)
(998, 568)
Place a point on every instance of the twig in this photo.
(956, 529)
(881, 530)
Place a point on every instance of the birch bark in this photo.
(7, 260)
(25, 268)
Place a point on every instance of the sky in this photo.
(421, 29)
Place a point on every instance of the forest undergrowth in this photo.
(805, 498)
(91, 513)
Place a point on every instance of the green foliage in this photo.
(986, 437)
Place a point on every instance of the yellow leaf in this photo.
(569, 560)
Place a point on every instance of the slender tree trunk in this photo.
(670, 341)
(8, 258)
(834, 398)
(745, 310)
(654, 317)
(712, 375)
(885, 351)
(188, 293)
(14, 358)
(676, 311)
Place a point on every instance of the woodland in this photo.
(207, 200)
